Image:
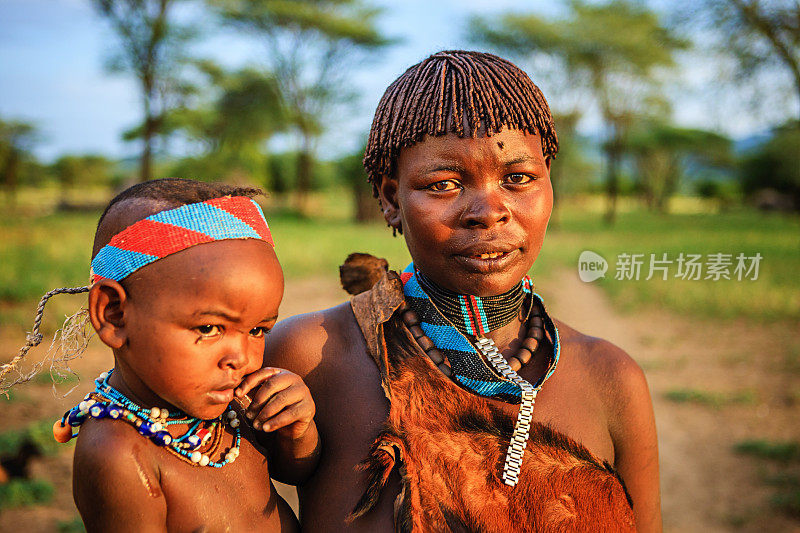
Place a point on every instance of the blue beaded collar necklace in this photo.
(201, 441)
(469, 369)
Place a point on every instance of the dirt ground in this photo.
(706, 486)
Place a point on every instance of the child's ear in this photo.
(547, 161)
(107, 301)
(387, 192)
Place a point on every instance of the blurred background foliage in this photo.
(618, 66)
(620, 59)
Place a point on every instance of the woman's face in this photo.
(474, 211)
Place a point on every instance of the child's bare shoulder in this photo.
(115, 474)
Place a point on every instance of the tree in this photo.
(16, 140)
(761, 35)
(776, 166)
(611, 52)
(662, 152)
(351, 170)
(72, 170)
(152, 47)
(310, 45)
(568, 174)
(231, 125)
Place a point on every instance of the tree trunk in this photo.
(612, 179)
(304, 169)
(367, 208)
(146, 171)
(11, 178)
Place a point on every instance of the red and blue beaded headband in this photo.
(168, 232)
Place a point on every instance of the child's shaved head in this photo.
(151, 197)
(465, 93)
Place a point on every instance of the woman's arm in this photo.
(633, 431)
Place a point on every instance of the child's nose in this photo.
(240, 354)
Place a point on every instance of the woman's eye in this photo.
(519, 179)
(444, 185)
(260, 331)
(208, 330)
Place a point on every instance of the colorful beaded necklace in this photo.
(499, 381)
(475, 315)
(201, 441)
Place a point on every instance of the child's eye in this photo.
(259, 331)
(519, 179)
(444, 185)
(208, 330)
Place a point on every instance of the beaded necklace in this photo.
(475, 315)
(467, 367)
(201, 441)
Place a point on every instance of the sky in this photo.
(52, 56)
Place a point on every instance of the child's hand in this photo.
(282, 403)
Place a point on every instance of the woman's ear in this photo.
(107, 301)
(387, 192)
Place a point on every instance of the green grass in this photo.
(774, 295)
(22, 492)
(713, 399)
(39, 433)
(785, 478)
(71, 526)
(40, 250)
(783, 452)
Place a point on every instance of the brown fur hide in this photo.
(449, 446)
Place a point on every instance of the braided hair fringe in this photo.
(458, 92)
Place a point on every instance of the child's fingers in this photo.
(279, 401)
(251, 381)
(289, 415)
(271, 386)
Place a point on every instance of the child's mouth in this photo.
(222, 396)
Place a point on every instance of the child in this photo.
(185, 287)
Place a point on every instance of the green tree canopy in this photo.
(611, 53)
(17, 138)
(311, 46)
(152, 47)
(662, 152)
(231, 124)
(761, 35)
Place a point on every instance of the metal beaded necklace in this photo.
(457, 355)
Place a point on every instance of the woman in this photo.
(467, 407)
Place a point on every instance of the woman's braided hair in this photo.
(458, 92)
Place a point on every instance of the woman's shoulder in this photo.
(609, 368)
(300, 342)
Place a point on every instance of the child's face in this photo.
(195, 323)
(474, 211)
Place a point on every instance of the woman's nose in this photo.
(486, 207)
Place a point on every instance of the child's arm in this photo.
(282, 412)
(115, 489)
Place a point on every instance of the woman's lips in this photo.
(486, 262)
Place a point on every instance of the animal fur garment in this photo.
(448, 446)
